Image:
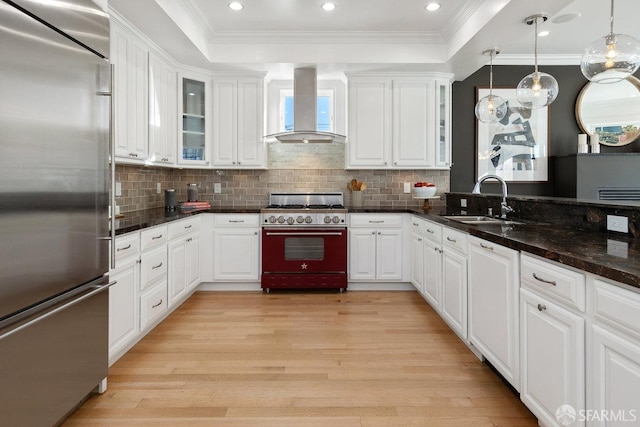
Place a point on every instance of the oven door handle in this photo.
(294, 233)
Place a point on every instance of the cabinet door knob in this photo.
(542, 307)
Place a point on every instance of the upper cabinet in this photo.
(145, 98)
(238, 123)
(369, 136)
(194, 118)
(129, 58)
(442, 116)
(399, 121)
(163, 104)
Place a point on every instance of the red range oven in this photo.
(304, 245)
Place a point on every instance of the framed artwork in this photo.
(517, 147)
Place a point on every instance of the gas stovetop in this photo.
(305, 210)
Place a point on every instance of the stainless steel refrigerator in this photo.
(54, 196)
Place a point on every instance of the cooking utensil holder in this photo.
(356, 198)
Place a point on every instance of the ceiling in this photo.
(360, 35)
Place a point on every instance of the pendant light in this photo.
(538, 89)
(491, 108)
(611, 58)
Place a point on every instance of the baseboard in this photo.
(352, 286)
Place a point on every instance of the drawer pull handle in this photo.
(156, 237)
(551, 282)
(236, 221)
(417, 225)
(451, 240)
(542, 307)
(125, 248)
(376, 222)
(156, 266)
(189, 239)
(187, 226)
(419, 240)
(156, 305)
(430, 231)
(486, 246)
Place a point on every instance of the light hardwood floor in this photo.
(364, 359)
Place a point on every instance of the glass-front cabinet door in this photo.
(194, 121)
(443, 123)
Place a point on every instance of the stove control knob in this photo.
(300, 219)
(308, 219)
(272, 219)
(327, 219)
(280, 219)
(335, 219)
(290, 220)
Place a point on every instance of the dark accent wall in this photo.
(563, 130)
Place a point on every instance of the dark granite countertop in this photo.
(138, 220)
(610, 255)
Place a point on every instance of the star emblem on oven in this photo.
(304, 266)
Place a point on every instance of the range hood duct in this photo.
(305, 112)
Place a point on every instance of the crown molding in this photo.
(460, 19)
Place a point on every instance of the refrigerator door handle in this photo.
(112, 151)
(95, 290)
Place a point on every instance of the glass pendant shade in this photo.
(491, 109)
(611, 58)
(537, 90)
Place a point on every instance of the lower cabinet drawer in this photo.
(454, 239)
(153, 266)
(552, 280)
(152, 304)
(617, 307)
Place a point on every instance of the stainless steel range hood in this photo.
(305, 112)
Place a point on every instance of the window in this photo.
(325, 109)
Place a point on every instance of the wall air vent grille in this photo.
(619, 193)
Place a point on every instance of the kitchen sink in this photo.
(478, 219)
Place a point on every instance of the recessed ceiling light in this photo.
(432, 6)
(328, 6)
(235, 5)
(544, 33)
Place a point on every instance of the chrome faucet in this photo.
(504, 208)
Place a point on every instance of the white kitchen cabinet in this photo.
(398, 121)
(613, 368)
(553, 358)
(375, 247)
(163, 106)
(184, 257)
(194, 119)
(411, 127)
(442, 123)
(552, 338)
(123, 307)
(123, 296)
(238, 123)
(453, 308)
(493, 298)
(369, 139)
(184, 266)
(417, 261)
(129, 56)
(426, 260)
(236, 248)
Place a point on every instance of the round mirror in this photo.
(610, 110)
